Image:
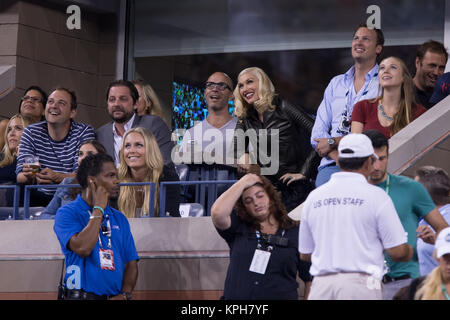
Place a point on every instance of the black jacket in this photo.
(294, 125)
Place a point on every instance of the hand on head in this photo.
(98, 193)
(250, 179)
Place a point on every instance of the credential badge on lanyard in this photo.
(261, 257)
(106, 255)
(344, 121)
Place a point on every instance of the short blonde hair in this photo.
(266, 92)
(150, 98)
(154, 162)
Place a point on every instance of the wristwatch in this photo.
(126, 295)
(331, 142)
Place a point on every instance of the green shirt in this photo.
(412, 202)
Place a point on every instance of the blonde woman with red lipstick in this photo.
(395, 108)
(259, 108)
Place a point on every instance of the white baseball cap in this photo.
(356, 145)
(296, 214)
(442, 244)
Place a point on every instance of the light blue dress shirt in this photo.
(425, 250)
(338, 100)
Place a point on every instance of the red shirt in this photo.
(366, 112)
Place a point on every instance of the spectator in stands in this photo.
(210, 136)
(122, 98)
(334, 113)
(65, 195)
(395, 108)
(56, 142)
(442, 88)
(431, 58)
(437, 183)
(100, 254)
(32, 106)
(259, 108)
(141, 161)
(254, 222)
(13, 133)
(8, 158)
(346, 225)
(412, 202)
(148, 102)
(436, 285)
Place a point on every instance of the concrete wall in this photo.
(180, 258)
(424, 142)
(47, 53)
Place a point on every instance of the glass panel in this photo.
(173, 27)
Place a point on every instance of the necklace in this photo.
(380, 107)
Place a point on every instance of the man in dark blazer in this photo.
(121, 97)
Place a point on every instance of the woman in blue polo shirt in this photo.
(263, 241)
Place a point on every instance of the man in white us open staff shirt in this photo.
(346, 224)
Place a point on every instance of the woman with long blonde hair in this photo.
(8, 157)
(395, 108)
(259, 108)
(142, 161)
(436, 285)
(13, 133)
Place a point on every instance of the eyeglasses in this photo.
(33, 99)
(221, 85)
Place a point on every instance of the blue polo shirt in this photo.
(86, 273)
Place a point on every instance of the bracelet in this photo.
(93, 217)
(126, 295)
(99, 208)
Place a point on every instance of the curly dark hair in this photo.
(276, 207)
(92, 165)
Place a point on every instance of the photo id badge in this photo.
(107, 260)
(260, 261)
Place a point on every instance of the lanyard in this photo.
(444, 291)
(347, 95)
(258, 238)
(387, 185)
(106, 230)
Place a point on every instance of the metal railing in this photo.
(212, 193)
(26, 196)
(15, 200)
(206, 203)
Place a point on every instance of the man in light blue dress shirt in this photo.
(360, 82)
(437, 183)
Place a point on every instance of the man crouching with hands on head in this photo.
(100, 254)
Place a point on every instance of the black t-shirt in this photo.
(279, 280)
(423, 97)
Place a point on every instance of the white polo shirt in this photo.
(346, 224)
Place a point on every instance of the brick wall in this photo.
(35, 38)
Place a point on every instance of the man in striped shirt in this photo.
(56, 142)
